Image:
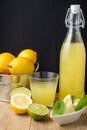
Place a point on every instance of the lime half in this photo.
(21, 90)
(37, 111)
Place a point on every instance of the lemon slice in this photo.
(68, 104)
(76, 102)
(37, 111)
(22, 90)
(20, 102)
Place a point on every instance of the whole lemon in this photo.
(21, 65)
(5, 59)
(30, 54)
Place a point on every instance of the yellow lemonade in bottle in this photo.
(43, 92)
(72, 70)
(72, 55)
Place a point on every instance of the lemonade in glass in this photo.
(43, 87)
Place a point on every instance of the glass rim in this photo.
(56, 75)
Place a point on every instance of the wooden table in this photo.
(11, 121)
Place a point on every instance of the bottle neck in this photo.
(74, 35)
(74, 30)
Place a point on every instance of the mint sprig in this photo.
(73, 98)
(82, 102)
(58, 107)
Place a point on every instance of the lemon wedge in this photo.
(76, 102)
(68, 104)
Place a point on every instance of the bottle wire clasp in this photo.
(82, 20)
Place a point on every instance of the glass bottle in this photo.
(72, 55)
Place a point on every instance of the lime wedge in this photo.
(37, 111)
(22, 90)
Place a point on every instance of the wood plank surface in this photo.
(11, 121)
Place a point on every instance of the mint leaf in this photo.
(82, 102)
(73, 98)
(58, 107)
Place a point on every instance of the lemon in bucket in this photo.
(21, 65)
(30, 54)
(5, 59)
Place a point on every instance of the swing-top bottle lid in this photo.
(74, 17)
(75, 8)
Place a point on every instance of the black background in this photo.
(39, 25)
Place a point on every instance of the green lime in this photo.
(16, 86)
(22, 90)
(24, 80)
(37, 111)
